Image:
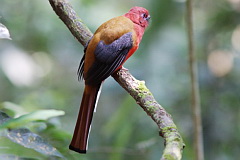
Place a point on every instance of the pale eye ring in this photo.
(144, 15)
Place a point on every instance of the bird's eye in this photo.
(144, 15)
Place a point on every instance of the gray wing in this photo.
(108, 58)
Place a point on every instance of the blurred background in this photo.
(38, 70)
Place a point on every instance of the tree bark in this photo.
(173, 141)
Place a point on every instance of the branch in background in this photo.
(196, 107)
(137, 89)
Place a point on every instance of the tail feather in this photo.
(80, 137)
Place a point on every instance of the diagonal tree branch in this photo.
(173, 141)
(74, 23)
(168, 130)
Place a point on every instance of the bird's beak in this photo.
(148, 18)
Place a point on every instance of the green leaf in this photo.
(12, 109)
(4, 118)
(8, 157)
(31, 140)
(28, 139)
(39, 115)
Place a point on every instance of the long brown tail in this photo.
(80, 136)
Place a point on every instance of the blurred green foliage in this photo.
(38, 71)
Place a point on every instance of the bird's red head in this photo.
(138, 15)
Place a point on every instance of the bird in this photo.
(108, 49)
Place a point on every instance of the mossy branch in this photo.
(137, 89)
(74, 23)
(173, 141)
